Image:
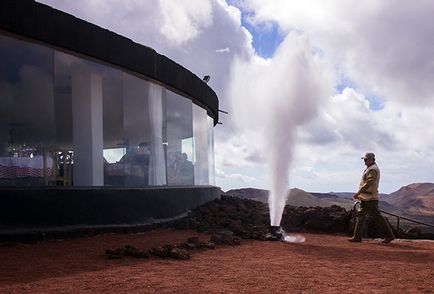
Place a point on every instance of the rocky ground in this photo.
(323, 263)
(200, 253)
(249, 219)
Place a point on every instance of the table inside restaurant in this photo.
(20, 167)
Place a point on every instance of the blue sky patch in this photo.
(343, 83)
(266, 36)
(375, 102)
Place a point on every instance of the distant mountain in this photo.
(417, 198)
(349, 195)
(344, 194)
(415, 201)
(324, 195)
(249, 193)
(296, 197)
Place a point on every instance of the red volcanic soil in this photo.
(324, 263)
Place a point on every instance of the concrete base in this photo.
(52, 208)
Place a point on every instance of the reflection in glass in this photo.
(113, 128)
(200, 131)
(69, 121)
(157, 169)
(78, 90)
(63, 108)
(136, 131)
(211, 167)
(133, 132)
(26, 113)
(179, 134)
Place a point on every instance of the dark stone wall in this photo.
(33, 209)
(53, 27)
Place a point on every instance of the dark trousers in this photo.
(371, 208)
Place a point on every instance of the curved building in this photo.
(94, 128)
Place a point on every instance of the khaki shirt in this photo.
(368, 188)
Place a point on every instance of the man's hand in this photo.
(356, 196)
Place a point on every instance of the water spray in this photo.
(283, 236)
(283, 93)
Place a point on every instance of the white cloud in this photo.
(223, 50)
(395, 133)
(229, 180)
(382, 46)
(238, 151)
(181, 23)
(235, 177)
(383, 49)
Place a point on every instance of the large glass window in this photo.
(69, 121)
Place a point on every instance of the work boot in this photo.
(354, 240)
(388, 239)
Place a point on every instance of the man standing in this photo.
(368, 196)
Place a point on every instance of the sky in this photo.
(310, 86)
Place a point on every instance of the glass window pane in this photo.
(211, 168)
(157, 168)
(136, 131)
(79, 124)
(200, 131)
(179, 140)
(63, 149)
(26, 113)
(133, 132)
(113, 128)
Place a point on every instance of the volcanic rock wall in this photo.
(251, 219)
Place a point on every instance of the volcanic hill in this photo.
(417, 198)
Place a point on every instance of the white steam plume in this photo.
(271, 98)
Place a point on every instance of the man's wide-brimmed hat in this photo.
(368, 155)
